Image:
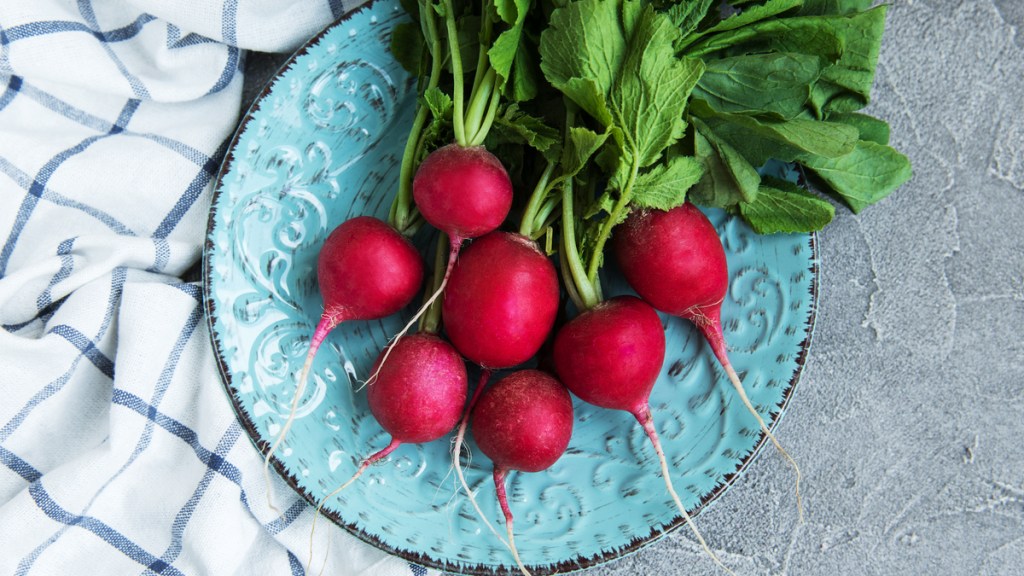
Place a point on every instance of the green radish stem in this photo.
(588, 292)
(643, 416)
(488, 119)
(529, 226)
(486, 31)
(402, 215)
(431, 320)
(478, 108)
(616, 216)
(458, 118)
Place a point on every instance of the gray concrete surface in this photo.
(909, 420)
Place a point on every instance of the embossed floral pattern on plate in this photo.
(322, 144)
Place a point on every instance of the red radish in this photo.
(417, 397)
(498, 309)
(420, 394)
(366, 270)
(523, 422)
(501, 300)
(675, 261)
(611, 356)
(465, 192)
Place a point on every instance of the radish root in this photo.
(735, 379)
(326, 324)
(453, 254)
(711, 328)
(499, 486)
(457, 452)
(643, 416)
(359, 472)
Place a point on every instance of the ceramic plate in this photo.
(322, 144)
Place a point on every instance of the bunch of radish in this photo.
(496, 294)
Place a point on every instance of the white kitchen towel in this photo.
(119, 452)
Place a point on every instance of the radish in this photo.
(366, 270)
(465, 192)
(610, 356)
(675, 261)
(417, 397)
(462, 191)
(523, 422)
(501, 300)
(498, 309)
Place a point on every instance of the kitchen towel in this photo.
(119, 451)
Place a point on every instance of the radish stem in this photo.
(402, 214)
(458, 96)
(431, 321)
(453, 253)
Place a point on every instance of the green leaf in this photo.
(664, 186)
(864, 176)
(728, 177)
(581, 144)
(817, 7)
(526, 79)
(603, 203)
(647, 102)
(616, 60)
(514, 125)
(631, 11)
(503, 51)
(763, 139)
(586, 93)
(439, 103)
(804, 35)
(511, 11)
(777, 83)
(407, 46)
(582, 51)
(688, 15)
(870, 128)
(785, 208)
(755, 13)
(846, 86)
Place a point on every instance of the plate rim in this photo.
(263, 446)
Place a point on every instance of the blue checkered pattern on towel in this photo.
(119, 452)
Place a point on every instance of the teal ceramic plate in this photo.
(322, 144)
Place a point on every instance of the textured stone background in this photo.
(909, 420)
